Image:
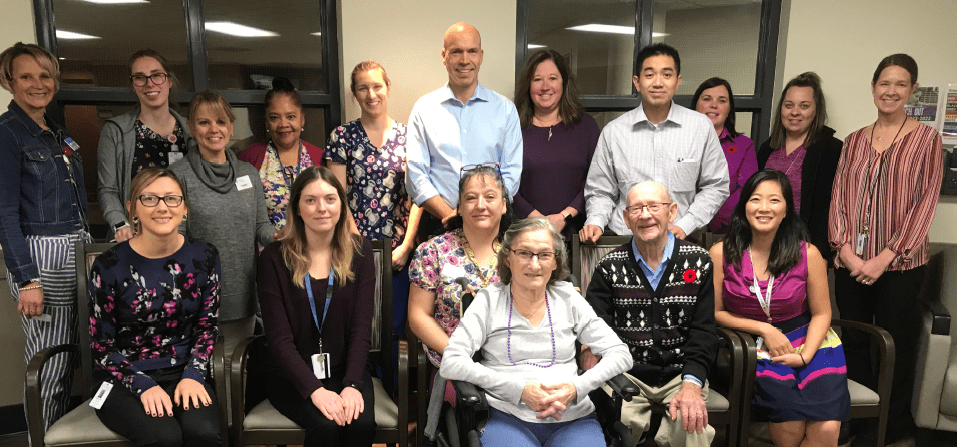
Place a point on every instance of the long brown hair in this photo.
(293, 236)
(779, 135)
(569, 106)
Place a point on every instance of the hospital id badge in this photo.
(320, 366)
(861, 242)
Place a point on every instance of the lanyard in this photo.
(763, 300)
(282, 168)
(312, 303)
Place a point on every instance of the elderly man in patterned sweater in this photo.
(656, 292)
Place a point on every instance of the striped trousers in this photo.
(55, 257)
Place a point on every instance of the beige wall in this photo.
(844, 41)
(16, 25)
(406, 38)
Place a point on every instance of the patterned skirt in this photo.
(816, 392)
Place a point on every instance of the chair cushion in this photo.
(861, 395)
(948, 403)
(717, 402)
(79, 426)
(266, 417)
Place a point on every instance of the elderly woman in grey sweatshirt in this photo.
(227, 209)
(526, 327)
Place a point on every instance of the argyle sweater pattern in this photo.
(669, 331)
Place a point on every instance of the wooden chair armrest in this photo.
(237, 369)
(32, 394)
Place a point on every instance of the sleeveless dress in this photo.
(816, 392)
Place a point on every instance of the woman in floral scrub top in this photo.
(367, 155)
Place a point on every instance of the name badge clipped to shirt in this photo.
(72, 147)
(861, 242)
(243, 183)
(320, 366)
(450, 272)
(173, 157)
(101, 395)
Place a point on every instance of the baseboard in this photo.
(12, 419)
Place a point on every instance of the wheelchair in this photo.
(462, 424)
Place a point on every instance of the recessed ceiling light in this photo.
(318, 33)
(61, 58)
(533, 46)
(235, 29)
(611, 29)
(114, 2)
(70, 35)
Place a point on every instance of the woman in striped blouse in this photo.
(884, 198)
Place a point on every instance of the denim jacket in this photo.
(40, 193)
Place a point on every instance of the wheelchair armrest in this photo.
(32, 392)
(623, 387)
(469, 395)
(940, 323)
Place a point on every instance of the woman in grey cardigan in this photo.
(150, 135)
(227, 209)
(526, 327)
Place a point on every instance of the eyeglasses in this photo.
(468, 168)
(157, 78)
(653, 207)
(525, 255)
(149, 200)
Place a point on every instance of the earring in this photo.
(184, 218)
(136, 221)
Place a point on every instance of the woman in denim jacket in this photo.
(42, 215)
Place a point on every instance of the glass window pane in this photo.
(604, 118)
(714, 38)
(292, 48)
(119, 30)
(601, 60)
(742, 124)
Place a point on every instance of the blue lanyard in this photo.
(312, 301)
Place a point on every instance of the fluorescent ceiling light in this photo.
(235, 29)
(70, 35)
(318, 33)
(114, 2)
(533, 46)
(611, 29)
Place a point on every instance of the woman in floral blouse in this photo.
(154, 302)
(367, 155)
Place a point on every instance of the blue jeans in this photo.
(503, 429)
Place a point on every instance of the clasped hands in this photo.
(780, 348)
(342, 408)
(549, 399)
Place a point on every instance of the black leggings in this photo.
(321, 431)
(123, 413)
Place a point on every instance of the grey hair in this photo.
(526, 225)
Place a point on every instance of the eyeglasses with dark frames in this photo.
(473, 167)
(157, 78)
(149, 200)
(525, 255)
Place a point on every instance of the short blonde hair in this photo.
(46, 60)
(215, 101)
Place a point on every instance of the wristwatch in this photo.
(568, 217)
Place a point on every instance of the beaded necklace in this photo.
(508, 339)
(478, 269)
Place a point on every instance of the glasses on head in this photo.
(149, 200)
(525, 255)
(157, 78)
(468, 168)
(653, 207)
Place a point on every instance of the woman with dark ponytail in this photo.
(285, 155)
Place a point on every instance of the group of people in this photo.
(486, 189)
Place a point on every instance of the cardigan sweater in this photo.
(669, 330)
(817, 180)
(256, 154)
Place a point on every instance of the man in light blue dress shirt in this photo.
(456, 126)
(657, 141)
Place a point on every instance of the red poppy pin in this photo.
(732, 149)
(690, 275)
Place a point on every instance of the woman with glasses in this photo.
(368, 157)
(42, 215)
(154, 300)
(228, 210)
(526, 327)
(285, 155)
(150, 135)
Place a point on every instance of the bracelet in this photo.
(38, 286)
(802, 359)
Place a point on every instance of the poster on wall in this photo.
(949, 130)
(923, 106)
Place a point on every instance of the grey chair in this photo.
(80, 427)
(264, 425)
(725, 405)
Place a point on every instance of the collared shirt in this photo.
(682, 153)
(654, 276)
(445, 135)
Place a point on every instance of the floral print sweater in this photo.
(148, 314)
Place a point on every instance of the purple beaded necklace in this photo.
(508, 339)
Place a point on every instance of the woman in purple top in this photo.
(715, 99)
(805, 150)
(770, 282)
(154, 301)
(559, 143)
(316, 261)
